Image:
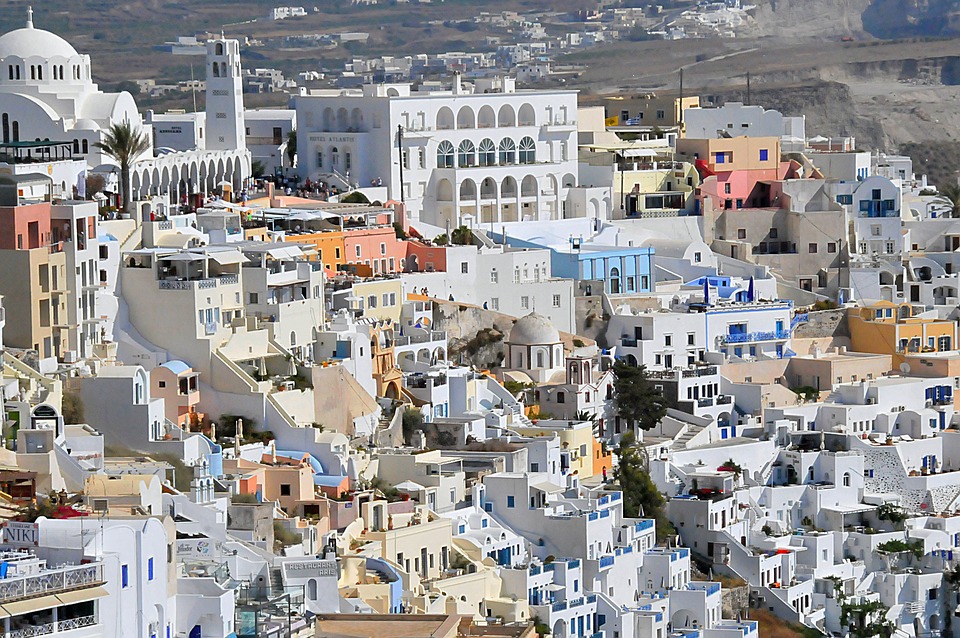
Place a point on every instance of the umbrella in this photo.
(706, 291)
(303, 216)
(750, 292)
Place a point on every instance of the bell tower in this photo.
(225, 127)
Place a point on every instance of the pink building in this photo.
(423, 257)
(377, 247)
(179, 386)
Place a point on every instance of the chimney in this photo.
(271, 195)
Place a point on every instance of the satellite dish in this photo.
(905, 367)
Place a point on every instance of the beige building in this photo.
(34, 285)
(827, 370)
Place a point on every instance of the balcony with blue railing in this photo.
(752, 337)
(606, 561)
(643, 525)
(800, 317)
(709, 587)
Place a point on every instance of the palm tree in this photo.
(125, 143)
(292, 146)
(951, 193)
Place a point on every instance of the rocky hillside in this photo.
(877, 18)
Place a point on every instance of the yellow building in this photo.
(329, 245)
(382, 298)
(898, 330)
(577, 444)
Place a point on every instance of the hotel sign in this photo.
(21, 534)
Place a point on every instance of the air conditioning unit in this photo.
(287, 385)
(70, 356)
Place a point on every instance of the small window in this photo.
(383, 248)
(726, 188)
(773, 233)
(741, 233)
(511, 501)
(831, 247)
(464, 267)
(124, 576)
(556, 301)
(812, 247)
(284, 489)
(764, 155)
(150, 569)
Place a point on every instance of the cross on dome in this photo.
(29, 17)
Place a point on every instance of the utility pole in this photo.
(400, 152)
(681, 99)
(748, 89)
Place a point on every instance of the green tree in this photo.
(411, 422)
(258, 168)
(462, 236)
(292, 147)
(441, 240)
(640, 495)
(124, 142)
(399, 231)
(637, 401)
(72, 407)
(356, 197)
(950, 192)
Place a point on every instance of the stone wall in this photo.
(824, 323)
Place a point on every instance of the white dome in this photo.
(534, 329)
(29, 42)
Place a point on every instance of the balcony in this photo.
(751, 337)
(427, 337)
(54, 627)
(724, 399)
(50, 581)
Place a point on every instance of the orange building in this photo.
(897, 330)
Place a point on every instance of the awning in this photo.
(174, 240)
(31, 605)
(227, 257)
(285, 252)
(82, 595)
(638, 152)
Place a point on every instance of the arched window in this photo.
(11, 71)
(219, 48)
(466, 154)
(6, 128)
(39, 72)
(293, 338)
(61, 71)
(334, 156)
(16, 131)
(846, 479)
(33, 72)
(445, 155)
(615, 281)
(86, 149)
(540, 359)
(528, 151)
(488, 153)
(508, 152)
(76, 147)
(216, 69)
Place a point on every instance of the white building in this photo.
(473, 154)
(47, 92)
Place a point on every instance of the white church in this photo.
(47, 94)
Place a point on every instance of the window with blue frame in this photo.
(510, 502)
(124, 576)
(721, 158)
(764, 155)
(150, 569)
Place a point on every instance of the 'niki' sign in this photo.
(21, 534)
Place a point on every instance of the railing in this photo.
(229, 279)
(724, 399)
(798, 319)
(165, 225)
(433, 335)
(628, 342)
(52, 580)
(705, 403)
(606, 561)
(748, 337)
(49, 628)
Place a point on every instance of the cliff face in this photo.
(878, 18)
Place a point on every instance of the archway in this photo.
(507, 116)
(466, 118)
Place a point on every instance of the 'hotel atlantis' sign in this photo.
(21, 534)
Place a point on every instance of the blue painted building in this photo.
(621, 270)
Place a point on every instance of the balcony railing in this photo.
(49, 581)
(749, 337)
(51, 627)
(798, 319)
(433, 335)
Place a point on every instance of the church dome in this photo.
(29, 42)
(533, 329)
